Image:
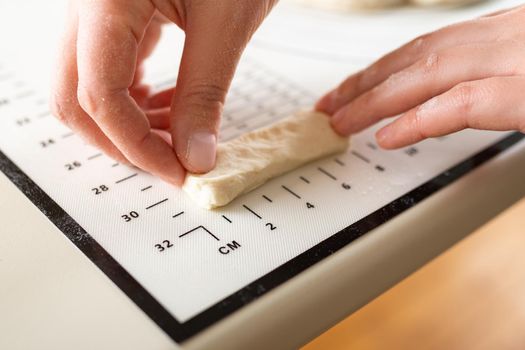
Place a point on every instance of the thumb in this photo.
(213, 46)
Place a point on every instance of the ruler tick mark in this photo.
(126, 178)
(339, 161)
(43, 114)
(327, 173)
(304, 179)
(268, 199)
(291, 192)
(178, 214)
(225, 218)
(115, 165)
(145, 188)
(371, 145)
(69, 134)
(25, 94)
(251, 211)
(380, 168)
(360, 156)
(155, 204)
(95, 156)
(6, 76)
(198, 227)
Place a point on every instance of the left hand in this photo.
(468, 75)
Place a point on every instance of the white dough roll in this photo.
(253, 158)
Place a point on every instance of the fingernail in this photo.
(339, 116)
(327, 102)
(202, 149)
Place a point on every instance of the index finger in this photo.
(109, 34)
(474, 31)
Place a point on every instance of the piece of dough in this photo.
(252, 159)
(346, 5)
(442, 2)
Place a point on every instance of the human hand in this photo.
(98, 91)
(468, 75)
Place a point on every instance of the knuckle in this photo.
(465, 94)
(57, 105)
(91, 99)
(431, 63)
(418, 126)
(205, 97)
(421, 43)
(86, 99)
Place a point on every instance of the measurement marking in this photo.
(251, 211)
(95, 156)
(69, 134)
(114, 165)
(145, 188)
(154, 205)
(43, 114)
(268, 199)
(360, 156)
(225, 218)
(380, 168)
(290, 191)
(178, 214)
(327, 173)
(196, 228)
(25, 94)
(304, 179)
(339, 161)
(371, 145)
(6, 76)
(126, 178)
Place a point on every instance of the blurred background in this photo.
(470, 297)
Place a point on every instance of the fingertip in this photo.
(389, 138)
(325, 103)
(383, 138)
(175, 174)
(339, 125)
(177, 181)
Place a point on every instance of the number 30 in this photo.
(128, 217)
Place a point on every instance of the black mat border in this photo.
(182, 331)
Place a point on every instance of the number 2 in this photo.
(271, 226)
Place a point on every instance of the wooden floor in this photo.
(470, 297)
